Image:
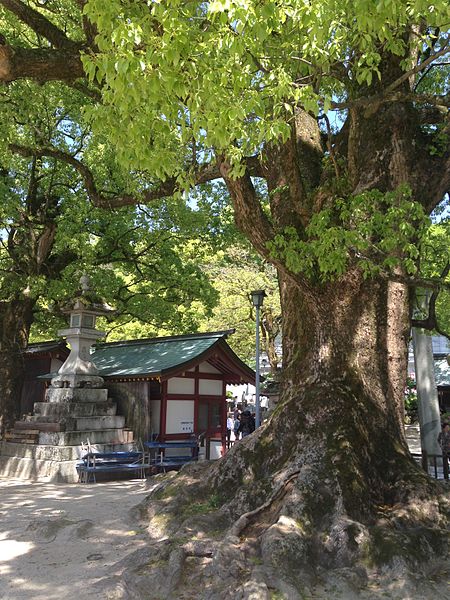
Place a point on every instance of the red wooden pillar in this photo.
(196, 399)
(224, 418)
(163, 416)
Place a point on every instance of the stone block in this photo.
(95, 423)
(38, 470)
(54, 410)
(76, 438)
(76, 394)
(38, 424)
(56, 453)
(37, 452)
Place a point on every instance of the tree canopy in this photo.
(185, 92)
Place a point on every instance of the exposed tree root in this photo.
(248, 518)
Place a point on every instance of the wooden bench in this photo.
(110, 462)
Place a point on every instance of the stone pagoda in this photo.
(46, 445)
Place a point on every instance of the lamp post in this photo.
(257, 300)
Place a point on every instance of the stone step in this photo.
(54, 410)
(56, 453)
(26, 436)
(90, 423)
(37, 426)
(76, 395)
(24, 433)
(76, 438)
(23, 440)
(38, 470)
(95, 423)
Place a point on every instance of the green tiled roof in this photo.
(155, 356)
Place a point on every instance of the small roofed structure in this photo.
(173, 387)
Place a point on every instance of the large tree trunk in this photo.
(16, 317)
(353, 331)
(324, 500)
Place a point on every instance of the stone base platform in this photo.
(46, 463)
(47, 445)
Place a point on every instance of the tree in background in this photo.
(187, 93)
(139, 259)
(235, 272)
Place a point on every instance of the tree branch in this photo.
(203, 174)
(41, 64)
(379, 99)
(96, 197)
(390, 94)
(431, 283)
(249, 215)
(418, 68)
(431, 322)
(38, 23)
(89, 28)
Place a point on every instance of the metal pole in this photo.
(257, 411)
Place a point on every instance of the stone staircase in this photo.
(47, 445)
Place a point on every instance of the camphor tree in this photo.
(51, 234)
(138, 259)
(192, 91)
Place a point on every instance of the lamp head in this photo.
(258, 298)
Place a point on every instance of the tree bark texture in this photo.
(16, 317)
(40, 64)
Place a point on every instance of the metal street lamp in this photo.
(257, 300)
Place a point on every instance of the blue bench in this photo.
(110, 462)
(164, 463)
(171, 463)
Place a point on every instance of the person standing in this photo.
(230, 426)
(237, 423)
(247, 425)
(444, 442)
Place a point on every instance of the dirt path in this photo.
(56, 540)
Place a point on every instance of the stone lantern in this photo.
(78, 369)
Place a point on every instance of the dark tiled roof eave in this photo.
(45, 347)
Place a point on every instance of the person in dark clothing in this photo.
(444, 442)
(237, 424)
(247, 425)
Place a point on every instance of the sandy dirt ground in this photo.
(56, 540)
